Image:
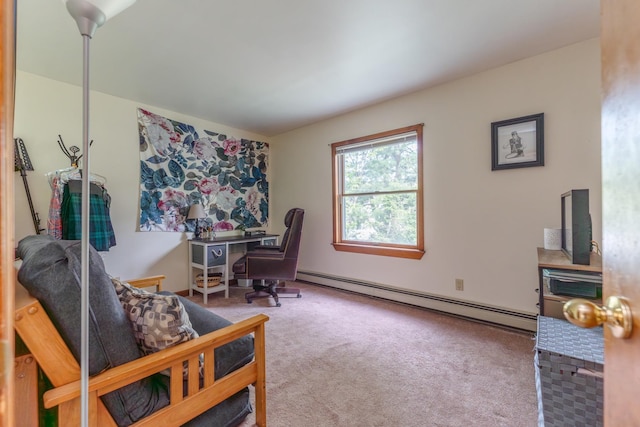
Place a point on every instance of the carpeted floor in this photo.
(339, 359)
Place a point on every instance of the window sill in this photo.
(410, 253)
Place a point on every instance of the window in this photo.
(377, 194)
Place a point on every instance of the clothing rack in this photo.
(71, 151)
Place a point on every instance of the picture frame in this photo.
(517, 143)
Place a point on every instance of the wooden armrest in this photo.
(148, 282)
(172, 357)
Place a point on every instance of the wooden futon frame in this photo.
(53, 356)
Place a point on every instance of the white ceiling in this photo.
(269, 66)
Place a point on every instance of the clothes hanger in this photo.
(77, 176)
(73, 173)
(59, 173)
(97, 179)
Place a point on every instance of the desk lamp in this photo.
(196, 212)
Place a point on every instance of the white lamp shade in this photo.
(196, 212)
(91, 14)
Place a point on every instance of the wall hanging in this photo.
(517, 143)
(181, 166)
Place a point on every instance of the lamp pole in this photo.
(89, 15)
(84, 260)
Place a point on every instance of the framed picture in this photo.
(517, 143)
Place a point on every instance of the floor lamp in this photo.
(89, 15)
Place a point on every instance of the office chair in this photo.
(271, 264)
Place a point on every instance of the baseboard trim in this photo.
(482, 312)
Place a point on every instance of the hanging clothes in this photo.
(62, 176)
(101, 234)
(54, 221)
(65, 221)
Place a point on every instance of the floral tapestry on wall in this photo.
(181, 166)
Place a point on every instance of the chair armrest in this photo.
(266, 248)
(200, 398)
(148, 282)
(265, 254)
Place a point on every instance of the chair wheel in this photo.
(278, 304)
(299, 296)
(249, 301)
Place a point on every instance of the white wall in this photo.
(45, 108)
(480, 226)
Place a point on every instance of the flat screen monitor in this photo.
(576, 226)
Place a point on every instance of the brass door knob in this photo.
(616, 313)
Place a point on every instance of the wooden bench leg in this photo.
(26, 386)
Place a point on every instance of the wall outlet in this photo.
(459, 285)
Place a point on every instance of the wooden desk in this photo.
(557, 260)
(212, 254)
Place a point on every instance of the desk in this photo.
(213, 254)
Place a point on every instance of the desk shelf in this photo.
(212, 255)
(210, 289)
(551, 304)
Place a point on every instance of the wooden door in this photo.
(620, 38)
(7, 71)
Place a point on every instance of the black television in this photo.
(576, 226)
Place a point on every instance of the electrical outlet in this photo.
(459, 285)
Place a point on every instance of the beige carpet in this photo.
(339, 359)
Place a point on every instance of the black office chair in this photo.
(272, 264)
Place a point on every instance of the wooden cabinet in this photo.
(557, 264)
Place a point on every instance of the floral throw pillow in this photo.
(158, 321)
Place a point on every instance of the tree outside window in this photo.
(378, 194)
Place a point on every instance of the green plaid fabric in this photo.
(101, 234)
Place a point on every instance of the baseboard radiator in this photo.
(467, 309)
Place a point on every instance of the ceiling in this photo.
(269, 66)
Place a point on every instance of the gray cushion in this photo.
(51, 273)
(229, 413)
(228, 357)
